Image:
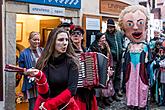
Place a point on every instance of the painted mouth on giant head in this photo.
(137, 35)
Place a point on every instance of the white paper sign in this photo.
(92, 24)
(157, 25)
(46, 10)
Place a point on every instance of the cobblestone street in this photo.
(121, 105)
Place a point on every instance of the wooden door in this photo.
(45, 27)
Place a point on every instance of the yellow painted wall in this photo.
(30, 23)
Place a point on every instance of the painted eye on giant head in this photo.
(141, 22)
(130, 24)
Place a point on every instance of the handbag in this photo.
(109, 91)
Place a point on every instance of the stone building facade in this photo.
(10, 8)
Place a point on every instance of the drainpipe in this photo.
(1, 54)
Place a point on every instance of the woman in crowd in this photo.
(27, 59)
(100, 45)
(85, 97)
(56, 73)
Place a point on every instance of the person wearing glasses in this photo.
(28, 59)
(77, 38)
(85, 97)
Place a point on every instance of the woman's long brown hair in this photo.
(50, 48)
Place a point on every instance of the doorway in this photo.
(45, 28)
(25, 24)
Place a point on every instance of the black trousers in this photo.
(31, 103)
(117, 75)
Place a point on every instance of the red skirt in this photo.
(82, 105)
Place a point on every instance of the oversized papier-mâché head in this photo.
(133, 21)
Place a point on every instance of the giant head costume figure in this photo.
(133, 20)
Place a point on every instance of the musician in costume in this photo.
(133, 21)
(100, 45)
(85, 97)
(27, 59)
(77, 33)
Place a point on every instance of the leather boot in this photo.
(100, 103)
(110, 99)
(116, 97)
(120, 94)
(106, 101)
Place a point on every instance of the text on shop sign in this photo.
(46, 10)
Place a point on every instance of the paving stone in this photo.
(121, 105)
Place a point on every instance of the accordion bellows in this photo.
(93, 71)
(13, 68)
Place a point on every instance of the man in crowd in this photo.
(115, 40)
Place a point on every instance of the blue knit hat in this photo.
(110, 22)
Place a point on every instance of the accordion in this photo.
(13, 68)
(93, 70)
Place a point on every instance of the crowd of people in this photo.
(52, 76)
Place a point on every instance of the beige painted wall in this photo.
(131, 2)
(93, 7)
(162, 9)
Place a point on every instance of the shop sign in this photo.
(92, 24)
(46, 10)
(61, 3)
(112, 7)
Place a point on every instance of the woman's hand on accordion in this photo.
(110, 71)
